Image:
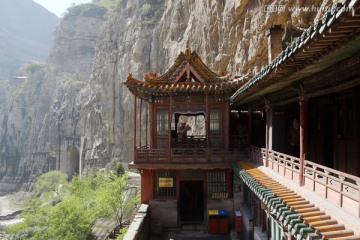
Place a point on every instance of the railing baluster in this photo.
(328, 177)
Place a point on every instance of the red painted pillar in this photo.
(169, 123)
(135, 93)
(152, 125)
(227, 124)
(146, 124)
(147, 185)
(303, 140)
(250, 125)
(140, 128)
(207, 121)
(267, 107)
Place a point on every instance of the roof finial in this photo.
(188, 49)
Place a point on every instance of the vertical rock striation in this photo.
(77, 110)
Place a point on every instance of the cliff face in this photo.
(139, 38)
(40, 117)
(77, 109)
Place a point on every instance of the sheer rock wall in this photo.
(78, 103)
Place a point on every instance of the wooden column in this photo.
(169, 121)
(268, 225)
(250, 125)
(207, 120)
(147, 185)
(140, 128)
(152, 124)
(135, 93)
(146, 124)
(227, 124)
(267, 109)
(303, 141)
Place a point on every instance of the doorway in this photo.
(192, 201)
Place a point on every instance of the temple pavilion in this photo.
(182, 177)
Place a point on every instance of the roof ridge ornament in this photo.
(151, 76)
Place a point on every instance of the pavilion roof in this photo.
(187, 75)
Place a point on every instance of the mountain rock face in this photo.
(75, 114)
(26, 30)
(39, 122)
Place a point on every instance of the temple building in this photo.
(185, 166)
(282, 147)
(303, 176)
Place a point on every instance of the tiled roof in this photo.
(187, 75)
(334, 30)
(293, 211)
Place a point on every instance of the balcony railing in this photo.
(337, 187)
(189, 155)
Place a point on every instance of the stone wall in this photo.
(140, 226)
(164, 211)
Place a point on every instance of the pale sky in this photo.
(59, 6)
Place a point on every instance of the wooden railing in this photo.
(189, 155)
(286, 165)
(340, 188)
(337, 187)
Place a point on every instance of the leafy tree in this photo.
(67, 221)
(62, 210)
(115, 197)
(51, 183)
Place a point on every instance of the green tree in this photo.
(116, 197)
(68, 221)
(62, 210)
(51, 183)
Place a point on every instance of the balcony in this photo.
(187, 155)
(338, 188)
(193, 152)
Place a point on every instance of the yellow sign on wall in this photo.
(213, 212)
(166, 182)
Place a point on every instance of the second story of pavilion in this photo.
(183, 116)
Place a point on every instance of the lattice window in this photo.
(162, 122)
(165, 184)
(215, 120)
(216, 184)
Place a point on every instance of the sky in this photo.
(59, 6)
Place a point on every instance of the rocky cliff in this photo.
(40, 120)
(76, 108)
